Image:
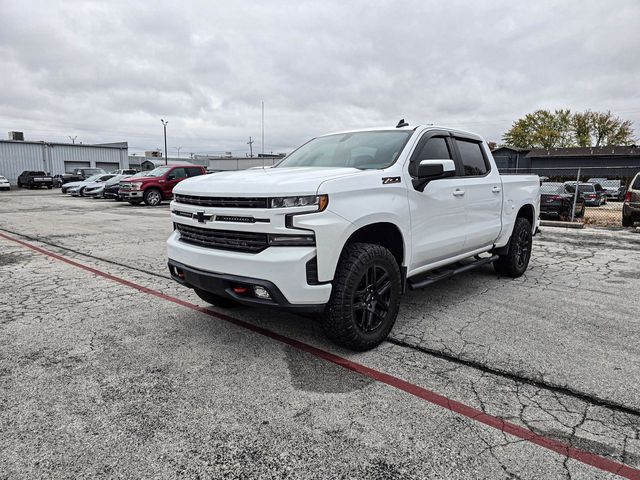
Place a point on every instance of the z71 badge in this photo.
(387, 180)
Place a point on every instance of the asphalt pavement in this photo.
(108, 368)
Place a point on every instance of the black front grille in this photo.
(223, 239)
(224, 202)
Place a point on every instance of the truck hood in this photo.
(262, 181)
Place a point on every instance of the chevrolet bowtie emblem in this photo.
(199, 216)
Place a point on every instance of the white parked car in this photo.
(348, 221)
(4, 183)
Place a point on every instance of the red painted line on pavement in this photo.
(498, 423)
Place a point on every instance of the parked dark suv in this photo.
(35, 178)
(557, 202)
(593, 193)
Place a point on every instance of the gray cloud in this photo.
(108, 71)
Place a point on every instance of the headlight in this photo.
(136, 185)
(319, 201)
(287, 240)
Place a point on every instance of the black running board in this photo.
(442, 274)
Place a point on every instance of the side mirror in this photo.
(432, 169)
(171, 176)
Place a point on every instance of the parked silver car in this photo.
(96, 189)
(78, 187)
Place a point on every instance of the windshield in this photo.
(157, 172)
(115, 179)
(88, 171)
(93, 178)
(611, 183)
(553, 188)
(363, 150)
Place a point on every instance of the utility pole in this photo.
(73, 139)
(164, 126)
(250, 143)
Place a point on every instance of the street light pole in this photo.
(164, 126)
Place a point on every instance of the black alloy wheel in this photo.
(365, 297)
(372, 298)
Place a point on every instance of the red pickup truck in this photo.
(157, 185)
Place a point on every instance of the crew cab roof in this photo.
(420, 128)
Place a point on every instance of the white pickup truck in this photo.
(348, 221)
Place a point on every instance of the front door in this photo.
(437, 212)
(173, 178)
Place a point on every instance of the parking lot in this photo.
(109, 368)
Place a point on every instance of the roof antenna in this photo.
(402, 123)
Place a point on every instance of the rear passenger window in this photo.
(193, 171)
(636, 183)
(472, 157)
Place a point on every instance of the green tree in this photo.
(541, 129)
(560, 128)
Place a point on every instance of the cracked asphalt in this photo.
(101, 380)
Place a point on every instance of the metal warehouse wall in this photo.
(16, 157)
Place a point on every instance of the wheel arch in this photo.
(528, 212)
(385, 234)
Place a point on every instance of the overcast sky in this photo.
(108, 71)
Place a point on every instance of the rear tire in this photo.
(153, 197)
(627, 221)
(365, 297)
(515, 262)
(216, 300)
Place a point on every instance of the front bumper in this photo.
(131, 194)
(282, 270)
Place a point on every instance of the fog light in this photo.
(261, 292)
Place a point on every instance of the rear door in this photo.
(482, 189)
(437, 212)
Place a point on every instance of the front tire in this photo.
(627, 221)
(365, 297)
(216, 300)
(515, 262)
(153, 197)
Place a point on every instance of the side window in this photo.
(472, 157)
(178, 173)
(636, 183)
(434, 149)
(193, 171)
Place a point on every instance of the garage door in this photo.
(70, 166)
(108, 166)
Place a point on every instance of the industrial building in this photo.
(610, 161)
(217, 164)
(55, 158)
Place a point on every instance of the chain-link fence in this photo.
(588, 195)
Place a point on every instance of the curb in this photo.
(552, 223)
